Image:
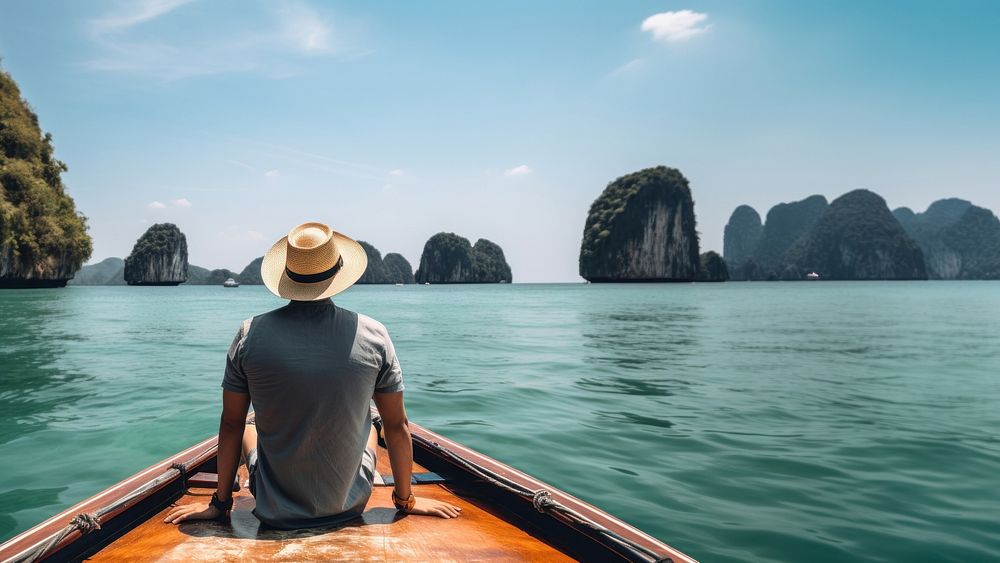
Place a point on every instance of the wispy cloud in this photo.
(240, 43)
(629, 67)
(396, 172)
(156, 205)
(304, 29)
(272, 173)
(241, 164)
(182, 202)
(134, 14)
(521, 170)
(676, 26)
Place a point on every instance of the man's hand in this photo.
(192, 512)
(431, 507)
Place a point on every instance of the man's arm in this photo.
(234, 413)
(396, 430)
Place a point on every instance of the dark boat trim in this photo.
(429, 451)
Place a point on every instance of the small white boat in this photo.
(230, 283)
(399, 285)
(812, 276)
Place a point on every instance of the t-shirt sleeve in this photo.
(390, 375)
(234, 379)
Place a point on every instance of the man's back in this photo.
(310, 369)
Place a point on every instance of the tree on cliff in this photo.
(159, 257)
(375, 272)
(398, 268)
(641, 228)
(741, 237)
(712, 268)
(42, 236)
(489, 264)
(447, 258)
(786, 224)
(857, 238)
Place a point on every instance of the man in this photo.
(311, 369)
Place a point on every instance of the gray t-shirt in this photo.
(311, 369)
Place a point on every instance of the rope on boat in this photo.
(543, 502)
(87, 522)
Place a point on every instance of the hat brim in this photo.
(272, 271)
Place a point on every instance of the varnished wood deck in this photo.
(382, 534)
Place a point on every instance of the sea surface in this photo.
(737, 422)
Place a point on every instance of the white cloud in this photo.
(303, 29)
(521, 170)
(156, 205)
(241, 164)
(135, 14)
(676, 26)
(182, 202)
(629, 67)
(238, 44)
(396, 172)
(275, 173)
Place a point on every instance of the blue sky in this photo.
(392, 121)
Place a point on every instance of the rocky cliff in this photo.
(958, 239)
(489, 264)
(203, 276)
(856, 238)
(641, 228)
(712, 268)
(251, 274)
(375, 272)
(110, 271)
(159, 257)
(43, 240)
(786, 223)
(447, 258)
(740, 238)
(398, 268)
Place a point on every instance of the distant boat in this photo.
(230, 283)
(812, 276)
(399, 285)
(427, 283)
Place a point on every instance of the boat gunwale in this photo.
(584, 508)
(199, 454)
(21, 544)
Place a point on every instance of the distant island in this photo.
(960, 241)
(392, 269)
(857, 238)
(159, 257)
(43, 239)
(642, 228)
(450, 258)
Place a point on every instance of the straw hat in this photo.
(313, 262)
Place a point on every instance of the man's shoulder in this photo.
(371, 329)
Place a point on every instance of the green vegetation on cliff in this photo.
(375, 272)
(857, 238)
(251, 274)
(741, 236)
(641, 228)
(959, 240)
(712, 268)
(449, 258)
(159, 257)
(42, 236)
(398, 268)
(786, 224)
(489, 264)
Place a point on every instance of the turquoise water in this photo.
(755, 421)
